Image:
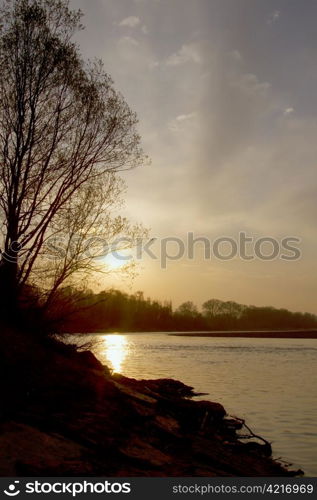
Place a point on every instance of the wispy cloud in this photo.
(153, 64)
(183, 121)
(236, 55)
(274, 17)
(288, 111)
(251, 84)
(127, 42)
(187, 53)
(130, 22)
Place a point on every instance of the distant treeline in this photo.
(114, 310)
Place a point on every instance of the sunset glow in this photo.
(115, 351)
(228, 119)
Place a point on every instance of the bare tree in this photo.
(84, 232)
(187, 309)
(212, 308)
(63, 128)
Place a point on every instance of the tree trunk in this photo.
(8, 290)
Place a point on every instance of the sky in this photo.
(226, 95)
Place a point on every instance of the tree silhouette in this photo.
(81, 235)
(63, 127)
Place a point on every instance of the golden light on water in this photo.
(116, 350)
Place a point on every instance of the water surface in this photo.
(269, 382)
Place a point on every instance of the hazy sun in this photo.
(112, 262)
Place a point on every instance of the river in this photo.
(271, 383)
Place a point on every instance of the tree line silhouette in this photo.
(86, 311)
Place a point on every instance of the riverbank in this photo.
(65, 414)
(263, 334)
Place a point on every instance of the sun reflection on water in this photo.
(116, 351)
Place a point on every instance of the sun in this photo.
(114, 262)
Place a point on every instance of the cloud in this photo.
(274, 17)
(250, 83)
(145, 30)
(236, 55)
(130, 22)
(181, 118)
(288, 111)
(127, 42)
(134, 58)
(184, 122)
(153, 64)
(188, 53)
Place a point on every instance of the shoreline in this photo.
(281, 334)
(74, 417)
(264, 334)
